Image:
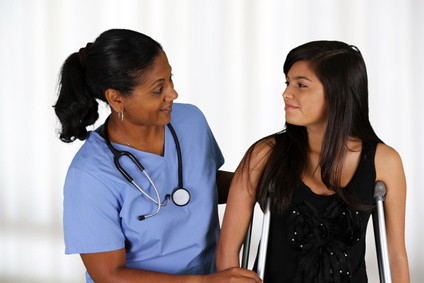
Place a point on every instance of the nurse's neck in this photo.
(147, 138)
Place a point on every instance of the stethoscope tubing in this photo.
(157, 201)
(117, 154)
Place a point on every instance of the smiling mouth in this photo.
(169, 108)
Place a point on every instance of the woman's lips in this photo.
(289, 107)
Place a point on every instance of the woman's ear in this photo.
(114, 98)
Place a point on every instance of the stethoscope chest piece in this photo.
(181, 197)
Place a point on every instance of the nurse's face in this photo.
(304, 97)
(151, 101)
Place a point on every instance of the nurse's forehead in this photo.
(160, 71)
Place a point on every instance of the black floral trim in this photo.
(323, 238)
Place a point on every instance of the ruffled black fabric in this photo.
(323, 238)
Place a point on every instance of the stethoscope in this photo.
(180, 195)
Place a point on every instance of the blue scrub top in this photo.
(101, 207)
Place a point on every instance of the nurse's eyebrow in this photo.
(158, 81)
(153, 84)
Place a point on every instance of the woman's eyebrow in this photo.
(300, 78)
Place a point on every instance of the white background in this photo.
(227, 58)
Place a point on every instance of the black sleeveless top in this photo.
(319, 238)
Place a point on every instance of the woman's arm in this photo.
(389, 169)
(240, 204)
(110, 267)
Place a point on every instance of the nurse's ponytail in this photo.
(76, 106)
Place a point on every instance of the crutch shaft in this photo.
(246, 246)
(264, 240)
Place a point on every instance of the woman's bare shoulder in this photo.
(385, 153)
(257, 155)
(388, 162)
(264, 145)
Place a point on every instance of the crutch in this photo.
(246, 245)
(379, 225)
(263, 245)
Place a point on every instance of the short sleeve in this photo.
(215, 150)
(214, 147)
(91, 215)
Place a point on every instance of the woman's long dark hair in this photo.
(341, 69)
(117, 59)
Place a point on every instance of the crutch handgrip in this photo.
(379, 190)
(380, 233)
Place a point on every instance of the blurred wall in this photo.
(227, 58)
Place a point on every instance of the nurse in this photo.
(140, 196)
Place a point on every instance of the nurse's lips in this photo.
(169, 108)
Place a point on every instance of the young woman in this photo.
(319, 173)
(140, 196)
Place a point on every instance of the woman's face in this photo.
(151, 101)
(304, 97)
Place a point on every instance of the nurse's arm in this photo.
(110, 266)
(223, 181)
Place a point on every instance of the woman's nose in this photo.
(287, 94)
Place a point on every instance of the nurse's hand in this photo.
(234, 275)
(110, 266)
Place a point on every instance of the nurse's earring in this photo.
(121, 116)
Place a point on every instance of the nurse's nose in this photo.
(172, 95)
